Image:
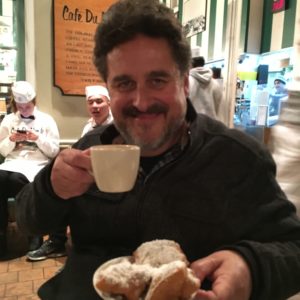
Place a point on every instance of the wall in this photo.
(68, 111)
(279, 28)
(261, 30)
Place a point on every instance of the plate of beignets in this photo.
(157, 270)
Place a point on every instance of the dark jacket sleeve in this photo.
(272, 233)
(39, 210)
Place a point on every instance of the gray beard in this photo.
(169, 133)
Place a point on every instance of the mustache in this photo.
(132, 111)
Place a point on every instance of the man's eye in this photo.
(125, 86)
(157, 83)
(97, 101)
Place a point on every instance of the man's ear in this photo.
(186, 84)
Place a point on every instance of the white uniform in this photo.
(28, 157)
(91, 124)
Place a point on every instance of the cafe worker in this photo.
(29, 138)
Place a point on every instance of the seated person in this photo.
(29, 138)
(98, 107)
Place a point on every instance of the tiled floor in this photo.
(19, 278)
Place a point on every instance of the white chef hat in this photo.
(96, 90)
(280, 78)
(23, 91)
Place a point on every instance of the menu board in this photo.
(74, 25)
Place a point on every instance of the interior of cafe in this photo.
(250, 43)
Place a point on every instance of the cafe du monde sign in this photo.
(74, 25)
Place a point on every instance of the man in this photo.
(209, 188)
(206, 93)
(29, 138)
(277, 97)
(98, 107)
(280, 85)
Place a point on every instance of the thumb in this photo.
(205, 267)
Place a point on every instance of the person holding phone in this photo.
(98, 107)
(29, 138)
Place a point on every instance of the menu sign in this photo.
(75, 22)
(278, 5)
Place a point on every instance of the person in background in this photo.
(210, 188)
(278, 96)
(206, 93)
(29, 138)
(97, 101)
(285, 137)
(98, 107)
(280, 86)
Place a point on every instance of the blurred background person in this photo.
(29, 138)
(206, 93)
(98, 107)
(278, 95)
(285, 137)
(280, 86)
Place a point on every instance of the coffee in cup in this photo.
(115, 167)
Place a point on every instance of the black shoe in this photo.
(3, 245)
(35, 243)
(49, 249)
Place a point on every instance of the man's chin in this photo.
(152, 144)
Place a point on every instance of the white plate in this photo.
(103, 267)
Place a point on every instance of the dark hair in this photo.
(13, 104)
(198, 61)
(127, 18)
(280, 80)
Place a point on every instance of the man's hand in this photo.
(70, 175)
(229, 274)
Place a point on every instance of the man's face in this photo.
(98, 108)
(279, 86)
(25, 109)
(148, 94)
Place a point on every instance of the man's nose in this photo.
(141, 98)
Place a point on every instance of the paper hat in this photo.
(280, 78)
(23, 91)
(96, 90)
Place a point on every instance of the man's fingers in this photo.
(76, 158)
(203, 268)
(205, 295)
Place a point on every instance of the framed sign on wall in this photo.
(194, 17)
(74, 25)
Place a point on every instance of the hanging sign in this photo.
(278, 5)
(74, 25)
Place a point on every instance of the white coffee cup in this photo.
(115, 167)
